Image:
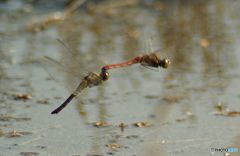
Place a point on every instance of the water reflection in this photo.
(191, 60)
(194, 67)
(186, 30)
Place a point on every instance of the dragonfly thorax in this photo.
(104, 75)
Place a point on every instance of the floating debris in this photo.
(186, 115)
(220, 107)
(22, 96)
(204, 43)
(113, 146)
(45, 102)
(41, 147)
(132, 136)
(28, 153)
(101, 124)
(224, 111)
(172, 99)
(21, 118)
(189, 113)
(181, 119)
(110, 153)
(15, 133)
(5, 118)
(142, 124)
(54, 18)
(151, 96)
(110, 9)
(122, 126)
(233, 113)
(219, 113)
(1, 133)
(51, 19)
(92, 155)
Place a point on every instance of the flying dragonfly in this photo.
(92, 79)
(147, 60)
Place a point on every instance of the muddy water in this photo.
(179, 102)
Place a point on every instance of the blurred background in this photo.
(189, 109)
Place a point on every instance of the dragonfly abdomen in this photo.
(65, 103)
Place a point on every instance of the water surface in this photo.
(201, 39)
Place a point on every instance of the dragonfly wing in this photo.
(61, 66)
(86, 61)
(60, 73)
(149, 67)
(73, 65)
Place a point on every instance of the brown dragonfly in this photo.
(90, 80)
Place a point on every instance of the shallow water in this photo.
(200, 38)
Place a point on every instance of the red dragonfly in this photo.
(147, 60)
(93, 79)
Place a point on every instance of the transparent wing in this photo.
(80, 61)
(163, 50)
(154, 55)
(149, 67)
(60, 73)
(72, 64)
(159, 51)
(61, 67)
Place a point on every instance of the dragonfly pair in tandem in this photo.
(152, 60)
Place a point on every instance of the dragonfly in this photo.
(152, 60)
(93, 79)
(90, 80)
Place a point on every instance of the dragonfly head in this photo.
(165, 63)
(104, 75)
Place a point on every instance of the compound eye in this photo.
(166, 63)
(105, 75)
